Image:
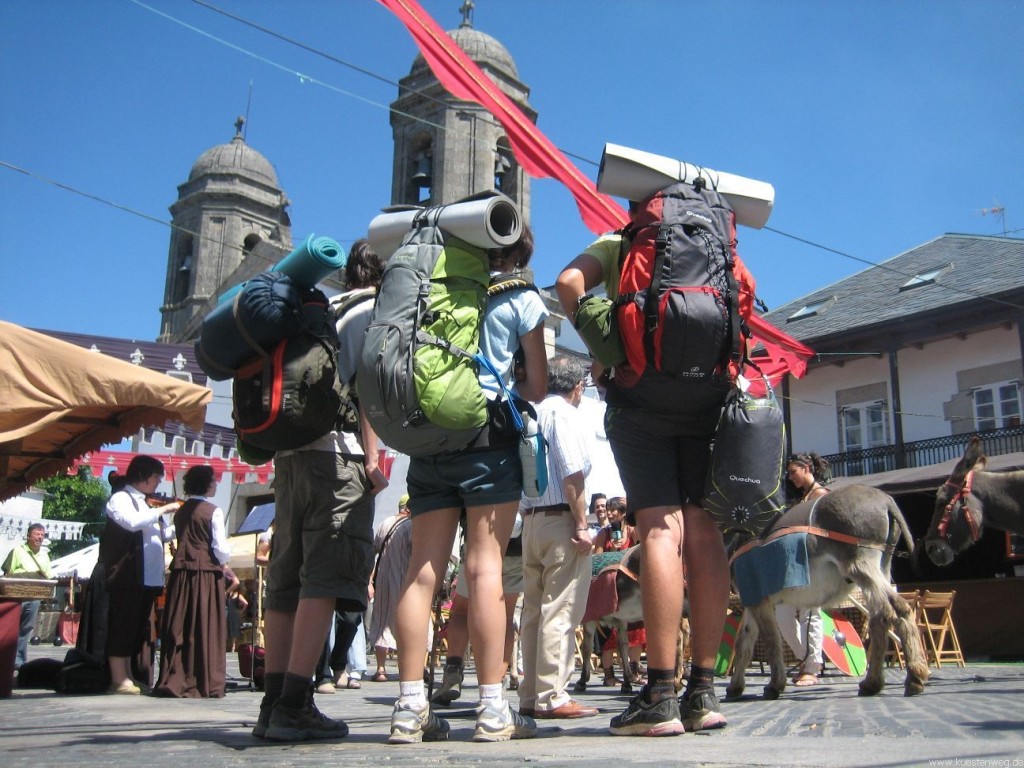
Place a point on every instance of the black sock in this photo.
(454, 661)
(273, 682)
(701, 679)
(660, 684)
(295, 690)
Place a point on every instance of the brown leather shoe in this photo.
(571, 709)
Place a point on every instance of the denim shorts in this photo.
(662, 460)
(464, 479)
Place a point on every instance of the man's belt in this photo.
(551, 509)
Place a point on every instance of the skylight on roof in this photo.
(812, 309)
(925, 278)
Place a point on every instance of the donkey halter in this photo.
(959, 503)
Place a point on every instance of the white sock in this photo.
(491, 695)
(411, 695)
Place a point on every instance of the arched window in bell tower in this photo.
(506, 170)
(250, 242)
(183, 268)
(421, 169)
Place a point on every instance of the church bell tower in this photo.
(231, 205)
(447, 148)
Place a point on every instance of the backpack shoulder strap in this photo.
(500, 284)
(342, 303)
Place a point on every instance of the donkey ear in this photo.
(973, 455)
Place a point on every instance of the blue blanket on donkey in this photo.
(771, 567)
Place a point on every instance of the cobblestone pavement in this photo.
(972, 716)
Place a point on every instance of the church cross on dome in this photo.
(467, 14)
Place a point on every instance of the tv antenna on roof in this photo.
(996, 210)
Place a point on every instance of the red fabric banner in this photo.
(175, 465)
(540, 158)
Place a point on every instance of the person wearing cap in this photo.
(392, 542)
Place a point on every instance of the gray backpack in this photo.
(418, 374)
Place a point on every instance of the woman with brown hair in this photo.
(194, 627)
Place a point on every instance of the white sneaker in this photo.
(502, 724)
(411, 727)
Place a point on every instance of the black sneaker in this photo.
(266, 707)
(701, 712)
(303, 724)
(451, 686)
(643, 718)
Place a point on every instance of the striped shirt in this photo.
(563, 430)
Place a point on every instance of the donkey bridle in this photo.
(959, 502)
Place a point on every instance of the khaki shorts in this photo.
(323, 530)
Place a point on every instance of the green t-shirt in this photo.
(606, 250)
(22, 560)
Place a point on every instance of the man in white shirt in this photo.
(556, 553)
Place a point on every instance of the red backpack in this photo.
(683, 297)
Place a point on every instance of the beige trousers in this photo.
(556, 582)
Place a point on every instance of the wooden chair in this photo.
(935, 620)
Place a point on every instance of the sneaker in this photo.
(266, 707)
(451, 686)
(410, 727)
(502, 724)
(643, 718)
(700, 712)
(304, 724)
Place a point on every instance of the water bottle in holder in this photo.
(533, 455)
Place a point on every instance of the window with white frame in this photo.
(997, 406)
(865, 425)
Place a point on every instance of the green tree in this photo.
(80, 499)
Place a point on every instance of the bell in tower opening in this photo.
(447, 148)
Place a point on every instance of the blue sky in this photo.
(881, 125)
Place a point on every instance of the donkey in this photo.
(628, 611)
(970, 499)
(852, 535)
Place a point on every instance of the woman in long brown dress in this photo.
(194, 628)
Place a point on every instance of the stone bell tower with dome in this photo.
(231, 208)
(447, 148)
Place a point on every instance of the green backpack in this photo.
(417, 379)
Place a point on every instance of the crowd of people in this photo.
(326, 563)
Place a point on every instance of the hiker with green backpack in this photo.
(485, 479)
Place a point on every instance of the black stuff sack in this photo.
(745, 491)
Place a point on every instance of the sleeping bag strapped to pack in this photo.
(267, 309)
(289, 396)
(682, 295)
(744, 491)
(416, 377)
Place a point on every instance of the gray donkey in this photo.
(852, 535)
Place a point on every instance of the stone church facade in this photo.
(231, 219)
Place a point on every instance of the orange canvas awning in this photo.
(59, 401)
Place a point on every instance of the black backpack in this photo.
(679, 308)
(290, 395)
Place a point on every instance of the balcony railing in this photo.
(922, 453)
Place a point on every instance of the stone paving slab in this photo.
(972, 716)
